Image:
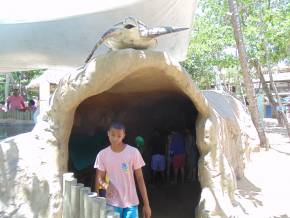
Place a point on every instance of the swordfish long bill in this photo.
(132, 33)
(159, 31)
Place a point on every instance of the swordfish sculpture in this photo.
(132, 33)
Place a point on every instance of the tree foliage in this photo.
(212, 45)
(266, 26)
(19, 79)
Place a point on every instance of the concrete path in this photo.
(265, 190)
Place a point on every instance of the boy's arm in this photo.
(101, 180)
(143, 191)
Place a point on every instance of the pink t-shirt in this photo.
(16, 102)
(120, 170)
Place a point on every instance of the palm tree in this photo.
(253, 108)
(267, 91)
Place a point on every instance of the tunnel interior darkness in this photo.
(142, 112)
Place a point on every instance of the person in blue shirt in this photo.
(177, 151)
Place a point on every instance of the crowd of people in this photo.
(173, 155)
(170, 155)
(109, 165)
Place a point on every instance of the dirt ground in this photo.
(264, 192)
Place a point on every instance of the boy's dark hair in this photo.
(117, 125)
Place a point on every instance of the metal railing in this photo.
(80, 202)
(16, 115)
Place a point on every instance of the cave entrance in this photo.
(142, 113)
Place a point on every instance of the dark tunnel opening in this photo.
(142, 113)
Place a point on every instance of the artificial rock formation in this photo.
(144, 89)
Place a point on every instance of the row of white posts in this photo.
(80, 202)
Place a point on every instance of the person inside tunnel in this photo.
(142, 113)
(192, 154)
(140, 144)
(158, 163)
(177, 154)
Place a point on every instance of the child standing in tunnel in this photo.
(177, 150)
(158, 162)
(191, 155)
(140, 144)
(121, 162)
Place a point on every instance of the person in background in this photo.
(191, 155)
(2, 106)
(158, 162)
(31, 105)
(140, 144)
(177, 151)
(15, 101)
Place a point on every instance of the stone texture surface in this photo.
(32, 164)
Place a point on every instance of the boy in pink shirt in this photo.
(120, 162)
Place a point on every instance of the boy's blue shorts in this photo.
(128, 212)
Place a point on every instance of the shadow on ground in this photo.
(249, 191)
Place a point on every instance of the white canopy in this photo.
(57, 34)
(51, 76)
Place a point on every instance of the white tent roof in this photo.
(51, 76)
(53, 34)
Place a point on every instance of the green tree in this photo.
(261, 21)
(265, 26)
(266, 23)
(19, 79)
(268, 29)
(258, 122)
(209, 43)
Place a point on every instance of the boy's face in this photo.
(116, 136)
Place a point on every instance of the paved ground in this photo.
(265, 190)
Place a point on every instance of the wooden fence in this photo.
(16, 115)
(80, 202)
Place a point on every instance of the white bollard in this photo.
(100, 207)
(95, 209)
(64, 177)
(68, 181)
(112, 214)
(75, 200)
(68, 174)
(102, 212)
(83, 192)
(109, 208)
(116, 215)
(100, 202)
(88, 204)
